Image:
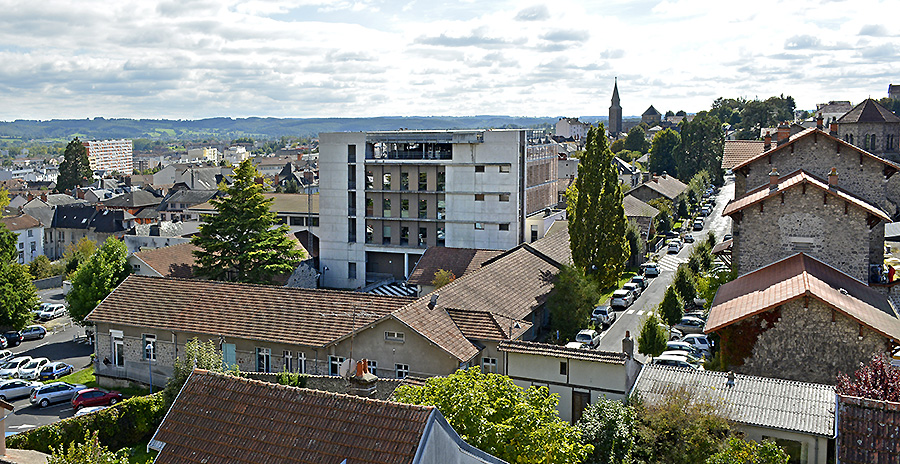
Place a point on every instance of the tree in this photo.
(75, 169)
(633, 237)
(97, 277)
(196, 354)
(90, 451)
(240, 244)
(683, 211)
(608, 425)
(18, 296)
(653, 338)
(493, 414)
(684, 285)
(739, 451)
(78, 253)
(574, 296)
(670, 113)
(878, 380)
(596, 215)
(670, 308)
(664, 151)
(442, 277)
(703, 142)
(636, 140)
(40, 267)
(617, 146)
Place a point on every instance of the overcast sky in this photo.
(343, 58)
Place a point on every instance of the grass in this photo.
(86, 377)
(606, 293)
(138, 454)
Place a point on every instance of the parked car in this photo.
(684, 346)
(95, 397)
(696, 314)
(698, 224)
(687, 354)
(621, 299)
(3, 342)
(675, 361)
(33, 332)
(670, 234)
(674, 334)
(32, 370)
(688, 238)
(56, 370)
(4, 355)
(54, 393)
(690, 325)
(635, 289)
(17, 388)
(674, 246)
(89, 410)
(588, 337)
(603, 315)
(640, 280)
(650, 269)
(13, 337)
(699, 341)
(52, 311)
(11, 368)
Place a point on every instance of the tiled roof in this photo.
(223, 419)
(818, 133)
(171, 261)
(758, 401)
(479, 325)
(188, 197)
(555, 244)
(738, 151)
(459, 261)
(795, 179)
(868, 111)
(281, 203)
(795, 277)
(867, 431)
(665, 185)
(253, 312)
(134, 199)
(723, 246)
(544, 349)
(651, 112)
(20, 222)
(637, 208)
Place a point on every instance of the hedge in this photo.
(119, 426)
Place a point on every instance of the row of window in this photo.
(501, 227)
(503, 168)
(502, 197)
(264, 364)
(870, 143)
(387, 208)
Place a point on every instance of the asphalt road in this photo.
(630, 320)
(56, 346)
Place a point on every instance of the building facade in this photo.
(110, 155)
(871, 127)
(29, 236)
(571, 128)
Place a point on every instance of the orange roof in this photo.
(795, 277)
(801, 177)
(738, 151)
(20, 222)
(171, 261)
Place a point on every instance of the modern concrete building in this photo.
(110, 155)
(387, 196)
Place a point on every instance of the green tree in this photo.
(90, 451)
(196, 354)
(685, 286)
(665, 151)
(653, 337)
(608, 425)
(617, 146)
(493, 414)
(75, 169)
(240, 244)
(596, 215)
(633, 237)
(739, 451)
(703, 143)
(97, 277)
(442, 277)
(683, 208)
(18, 296)
(636, 140)
(670, 308)
(571, 301)
(40, 267)
(78, 253)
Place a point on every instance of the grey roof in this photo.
(88, 218)
(188, 197)
(868, 111)
(134, 199)
(39, 211)
(56, 199)
(634, 207)
(758, 401)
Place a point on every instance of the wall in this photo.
(881, 131)
(814, 448)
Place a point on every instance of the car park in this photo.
(699, 341)
(635, 289)
(687, 354)
(650, 269)
(55, 370)
(52, 311)
(13, 337)
(698, 224)
(640, 280)
(684, 346)
(588, 337)
(95, 397)
(54, 393)
(603, 316)
(690, 325)
(621, 299)
(17, 388)
(32, 370)
(4, 355)
(11, 368)
(674, 361)
(33, 332)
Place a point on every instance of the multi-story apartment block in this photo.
(386, 196)
(110, 155)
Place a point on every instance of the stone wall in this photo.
(881, 131)
(807, 223)
(805, 345)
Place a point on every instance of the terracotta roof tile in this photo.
(253, 312)
(223, 419)
(20, 222)
(171, 261)
(459, 261)
(667, 186)
(543, 349)
(738, 151)
(797, 276)
(867, 430)
(478, 325)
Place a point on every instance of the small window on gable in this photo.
(394, 336)
(504, 168)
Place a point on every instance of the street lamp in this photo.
(149, 350)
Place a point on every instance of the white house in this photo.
(30, 240)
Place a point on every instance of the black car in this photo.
(671, 234)
(13, 338)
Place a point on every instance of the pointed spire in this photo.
(615, 96)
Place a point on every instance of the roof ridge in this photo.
(806, 133)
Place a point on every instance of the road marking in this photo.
(630, 311)
(23, 426)
(640, 313)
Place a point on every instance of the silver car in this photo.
(12, 389)
(55, 392)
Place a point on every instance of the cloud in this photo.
(802, 42)
(534, 13)
(477, 38)
(568, 35)
(874, 30)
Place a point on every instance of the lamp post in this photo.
(149, 350)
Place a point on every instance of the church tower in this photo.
(615, 113)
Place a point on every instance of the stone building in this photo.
(651, 117)
(871, 127)
(615, 128)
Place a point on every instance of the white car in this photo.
(52, 311)
(674, 246)
(588, 337)
(699, 341)
(675, 361)
(676, 345)
(634, 288)
(31, 370)
(89, 410)
(4, 355)
(603, 315)
(650, 269)
(621, 299)
(11, 368)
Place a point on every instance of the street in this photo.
(631, 319)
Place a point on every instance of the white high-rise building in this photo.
(110, 155)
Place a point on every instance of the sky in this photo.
(192, 59)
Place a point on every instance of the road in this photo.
(631, 319)
(56, 346)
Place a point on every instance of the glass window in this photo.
(440, 236)
(334, 365)
(479, 168)
(441, 180)
(370, 233)
(441, 209)
(404, 236)
(394, 336)
(404, 208)
(489, 365)
(479, 226)
(386, 235)
(351, 204)
(351, 230)
(423, 209)
(301, 362)
(504, 226)
(351, 178)
(504, 197)
(563, 368)
(351, 270)
(373, 366)
(263, 360)
(31, 232)
(423, 236)
(287, 361)
(404, 181)
(402, 370)
(148, 345)
(229, 357)
(504, 168)
(479, 197)
(370, 206)
(370, 180)
(386, 181)
(351, 153)
(386, 207)
(423, 181)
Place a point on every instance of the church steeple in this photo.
(615, 113)
(615, 97)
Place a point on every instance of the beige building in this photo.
(110, 155)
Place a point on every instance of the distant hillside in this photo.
(260, 128)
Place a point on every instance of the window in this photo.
(394, 336)
(21, 245)
(148, 347)
(441, 181)
(351, 230)
(504, 168)
(441, 239)
(479, 197)
(372, 365)
(386, 235)
(534, 233)
(423, 236)
(229, 358)
(563, 368)
(287, 361)
(31, 232)
(301, 362)
(370, 233)
(402, 370)
(370, 207)
(334, 365)
(423, 181)
(351, 153)
(263, 360)
(479, 226)
(21, 257)
(404, 236)
(872, 143)
(504, 197)
(504, 226)
(386, 181)
(386, 207)
(489, 365)
(479, 168)
(370, 180)
(441, 208)
(423, 209)
(351, 204)
(136, 268)
(404, 181)
(404, 208)
(351, 270)
(351, 178)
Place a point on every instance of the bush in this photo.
(88, 451)
(292, 379)
(129, 422)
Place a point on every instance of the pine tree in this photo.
(670, 308)
(596, 215)
(652, 340)
(75, 169)
(240, 244)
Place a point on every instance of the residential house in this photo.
(571, 128)
(175, 207)
(458, 261)
(658, 186)
(271, 166)
(297, 210)
(139, 203)
(171, 261)
(192, 177)
(629, 176)
(270, 423)
(29, 236)
(640, 215)
(871, 127)
(798, 416)
(801, 319)
(651, 117)
(73, 222)
(738, 151)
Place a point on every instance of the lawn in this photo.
(86, 377)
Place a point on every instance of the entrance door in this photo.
(119, 352)
(580, 400)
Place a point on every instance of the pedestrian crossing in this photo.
(669, 262)
(639, 312)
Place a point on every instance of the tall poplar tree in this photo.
(597, 220)
(75, 169)
(241, 244)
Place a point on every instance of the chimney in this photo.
(784, 132)
(773, 178)
(820, 122)
(834, 127)
(363, 383)
(768, 141)
(832, 178)
(44, 197)
(628, 345)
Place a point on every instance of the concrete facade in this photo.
(110, 155)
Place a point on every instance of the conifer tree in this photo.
(670, 308)
(75, 169)
(596, 215)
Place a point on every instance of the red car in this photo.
(95, 397)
